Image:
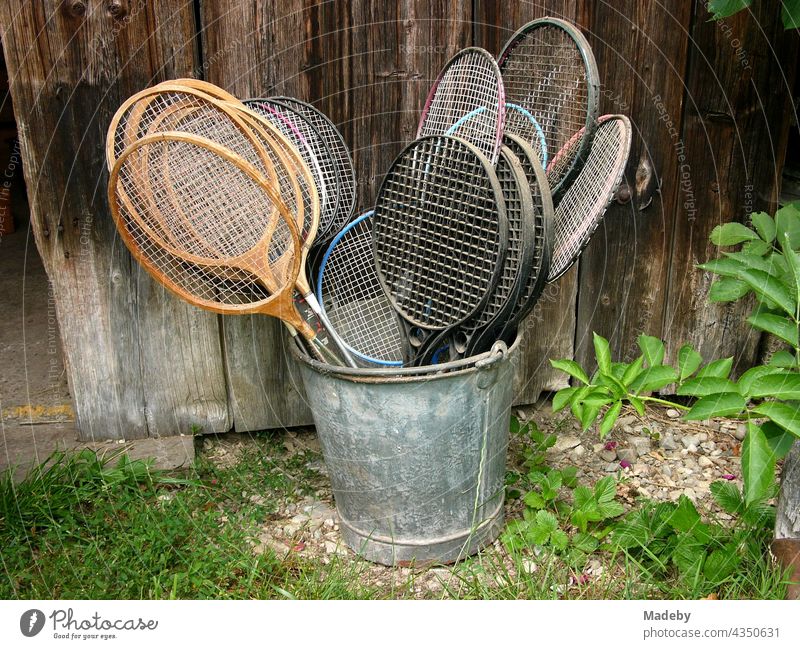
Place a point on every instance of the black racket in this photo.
(549, 70)
(543, 235)
(582, 207)
(439, 234)
(516, 267)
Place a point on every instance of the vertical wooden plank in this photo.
(366, 65)
(735, 129)
(641, 50)
(71, 64)
(549, 331)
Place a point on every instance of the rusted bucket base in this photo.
(422, 553)
(787, 552)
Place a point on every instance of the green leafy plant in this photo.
(766, 397)
(672, 537)
(790, 10)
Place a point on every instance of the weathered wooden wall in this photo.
(708, 102)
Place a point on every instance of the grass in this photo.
(82, 526)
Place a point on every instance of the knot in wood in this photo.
(118, 9)
(76, 8)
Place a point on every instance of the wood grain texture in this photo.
(735, 128)
(640, 49)
(787, 516)
(550, 329)
(69, 72)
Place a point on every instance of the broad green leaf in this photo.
(546, 520)
(758, 464)
(720, 368)
(724, 267)
(786, 416)
(777, 325)
(727, 495)
(653, 350)
(571, 368)
(792, 259)
(704, 386)
(764, 225)
(783, 359)
(729, 234)
(534, 500)
(588, 415)
(724, 8)
(685, 516)
(638, 405)
(771, 288)
(569, 475)
(611, 509)
(721, 563)
(563, 397)
(632, 371)
(716, 405)
(618, 370)
(759, 248)
(629, 534)
(614, 385)
(605, 489)
(746, 380)
(780, 385)
(758, 262)
(603, 354)
(599, 397)
(559, 540)
(609, 419)
(581, 496)
(779, 440)
(654, 378)
(790, 14)
(787, 221)
(688, 362)
(728, 290)
(585, 542)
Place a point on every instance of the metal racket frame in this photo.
(527, 79)
(342, 159)
(346, 280)
(596, 182)
(466, 108)
(440, 231)
(516, 267)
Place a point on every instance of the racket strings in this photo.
(438, 253)
(468, 101)
(353, 298)
(545, 72)
(313, 150)
(197, 205)
(341, 158)
(584, 203)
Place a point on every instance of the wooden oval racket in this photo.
(231, 220)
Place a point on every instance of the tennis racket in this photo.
(583, 205)
(516, 267)
(352, 298)
(342, 161)
(549, 69)
(314, 151)
(213, 231)
(467, 100)
(439, 234)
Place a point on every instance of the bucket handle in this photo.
(487, 374)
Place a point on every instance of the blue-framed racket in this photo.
(352, 298)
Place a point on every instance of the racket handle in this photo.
(342, 348)
(322, 352)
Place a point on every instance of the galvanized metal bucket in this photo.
(417, 459)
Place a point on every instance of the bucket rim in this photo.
(498, 352)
